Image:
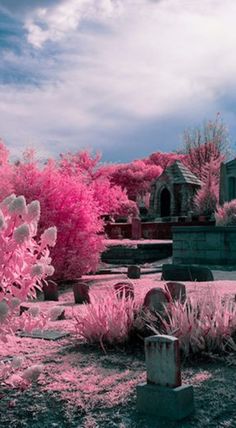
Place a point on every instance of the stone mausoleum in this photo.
(228, 181)
(172, 193)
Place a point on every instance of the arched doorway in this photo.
(165, 203)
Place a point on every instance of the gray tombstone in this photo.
(81, 292)
(156, 299)
(134, 272)
(51, 291)
(177, 291)
(124, 288)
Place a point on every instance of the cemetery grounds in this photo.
(83, 386)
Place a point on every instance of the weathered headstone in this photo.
(136, 228)
(177, 291)
(174, 272)
(156, 299)
(134, 272)
(164, 395)
(44, 334)
(51, 291)
(124, 288)
(81, 292)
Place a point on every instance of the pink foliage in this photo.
(205, 323)
(107, 319)
(226, 214)
(67, 202)
(206, 198)
(134, 177)
(24, 266)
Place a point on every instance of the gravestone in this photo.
(44, 334)
(136, 230)
(156, 299)
(124, 288)
(177, 291)
(164, 395)
(81, 292)
(174, 272)
(134, 272)
(51, 291)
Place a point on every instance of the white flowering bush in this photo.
(24, 267)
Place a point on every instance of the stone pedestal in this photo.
(165, 403)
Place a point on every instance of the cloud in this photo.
(53, 24)
(101, 69)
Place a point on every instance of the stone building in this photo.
(228, 181)
(172, 193)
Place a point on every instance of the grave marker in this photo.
(177, 291)
(163, 395)
(81, 292)
(134, 272)
(156, 299)
(124, 288)
(51, 291)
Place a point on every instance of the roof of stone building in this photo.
(180, 174)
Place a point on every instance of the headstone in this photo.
(81, 292)
(164, 395)
(124, 288)
(51, 291)
(163, 360)
(136, 228)
(44, 334)
(177, 291)
(174, 272)
(134, 272)
(156, 299)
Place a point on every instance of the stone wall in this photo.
(208, 245)
(149, 230)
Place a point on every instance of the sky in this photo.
(123, 77)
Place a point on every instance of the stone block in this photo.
(134, 272)
(81, 292)
(184, 272)
(51, 291)
(165, 403)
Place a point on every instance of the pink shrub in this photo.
(24, 266)
(106, 320)
(205, 323)
(226, 214)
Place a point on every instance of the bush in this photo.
(24, 266)
(226, 215)
(107, 320)
(205, 323)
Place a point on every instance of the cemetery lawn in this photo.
(83, 387)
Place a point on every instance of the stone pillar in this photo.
(136, 228)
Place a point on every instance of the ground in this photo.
(83, 387)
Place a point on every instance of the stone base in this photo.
(165, 403)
